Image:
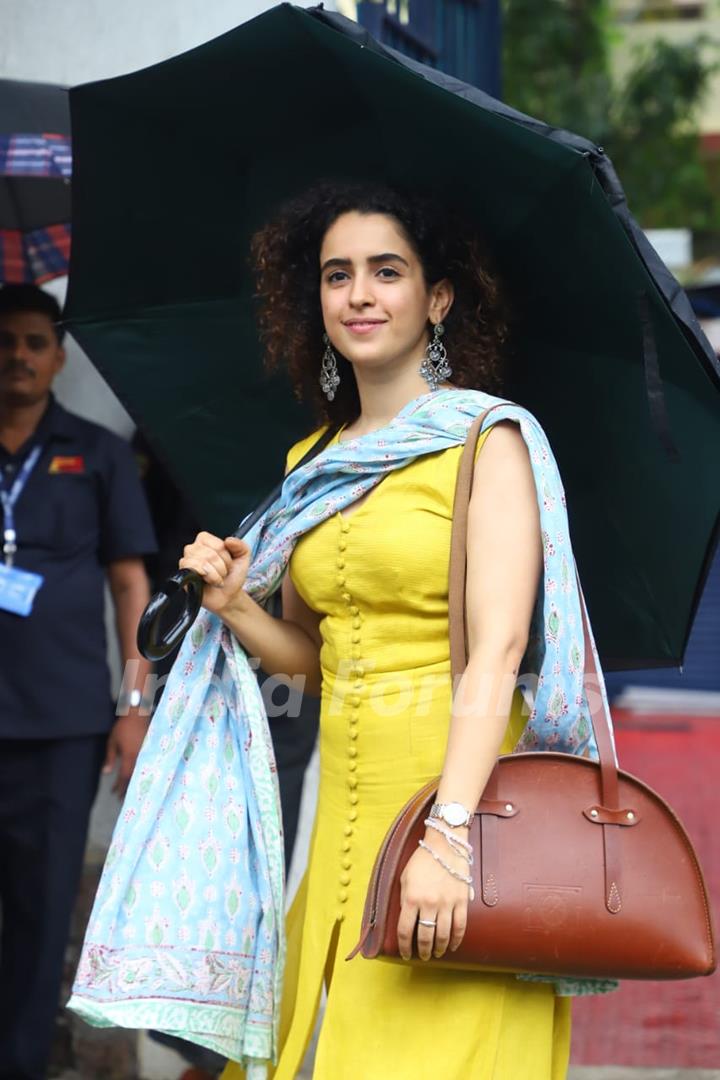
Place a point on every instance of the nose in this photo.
(15, 349)
(15, 356)
(360, 291)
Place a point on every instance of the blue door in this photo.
(460, 37)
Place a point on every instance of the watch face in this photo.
(454, 813)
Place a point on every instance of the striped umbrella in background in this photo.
(35, 169)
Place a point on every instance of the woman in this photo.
(365, 624)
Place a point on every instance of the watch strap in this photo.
(436, 811)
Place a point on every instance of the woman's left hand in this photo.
(429, 892)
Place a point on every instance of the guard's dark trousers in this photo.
(47, 788)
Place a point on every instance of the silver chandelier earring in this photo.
(329, 378)
(435, 367)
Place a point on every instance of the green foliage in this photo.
(654, 140)
(555, 62)
(556, 66)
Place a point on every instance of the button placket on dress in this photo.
(357, 674)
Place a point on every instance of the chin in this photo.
(16, 398)
(369, 357)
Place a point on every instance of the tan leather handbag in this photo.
(580, 870)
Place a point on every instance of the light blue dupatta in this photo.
(186, 934)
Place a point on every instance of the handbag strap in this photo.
(457, 617)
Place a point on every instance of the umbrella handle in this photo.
(156, 646)
(151, 642)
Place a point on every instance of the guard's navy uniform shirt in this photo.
(82, 508)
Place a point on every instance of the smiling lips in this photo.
(363, 326)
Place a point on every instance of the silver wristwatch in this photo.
(131, 699)
(453, 814)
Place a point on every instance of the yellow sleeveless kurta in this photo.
(378, 575)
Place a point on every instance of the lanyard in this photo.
(9, 498)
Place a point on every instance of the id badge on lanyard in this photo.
(18, 588)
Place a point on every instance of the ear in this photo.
(60, 358)
(442, 295)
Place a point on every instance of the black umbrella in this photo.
(35, 167)
(608, 354)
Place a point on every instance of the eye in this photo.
(331, 277)
(388, 270)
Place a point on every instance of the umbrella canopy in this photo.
(608, 353)
(35, 168)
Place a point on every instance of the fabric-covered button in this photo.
(341, 564)
(354, 653)
(342, 896)
(352, 751)
(353, 797)
(354, 610)
(355, 701)
(345, 527)
(357, 623)
(352, 816)
(340, 580)
(360, 671)
(352, 782)
(356, 639)
(346, 864)
(344, 879)
(352, 766)
(342, 544)
(353, 733)
(348, 830)
(346, 843)
(357, 685)
(340, 916)
(346, 596)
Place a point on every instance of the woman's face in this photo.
(375, 301)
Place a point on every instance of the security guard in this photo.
(73, 517)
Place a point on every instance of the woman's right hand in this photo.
(222, 564)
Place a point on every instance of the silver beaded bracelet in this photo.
(459, 846)
(446, 866)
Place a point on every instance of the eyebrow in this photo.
(385, 257)
(39, 335)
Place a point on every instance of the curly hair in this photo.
(285, 255)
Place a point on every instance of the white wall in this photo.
(75, 41)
